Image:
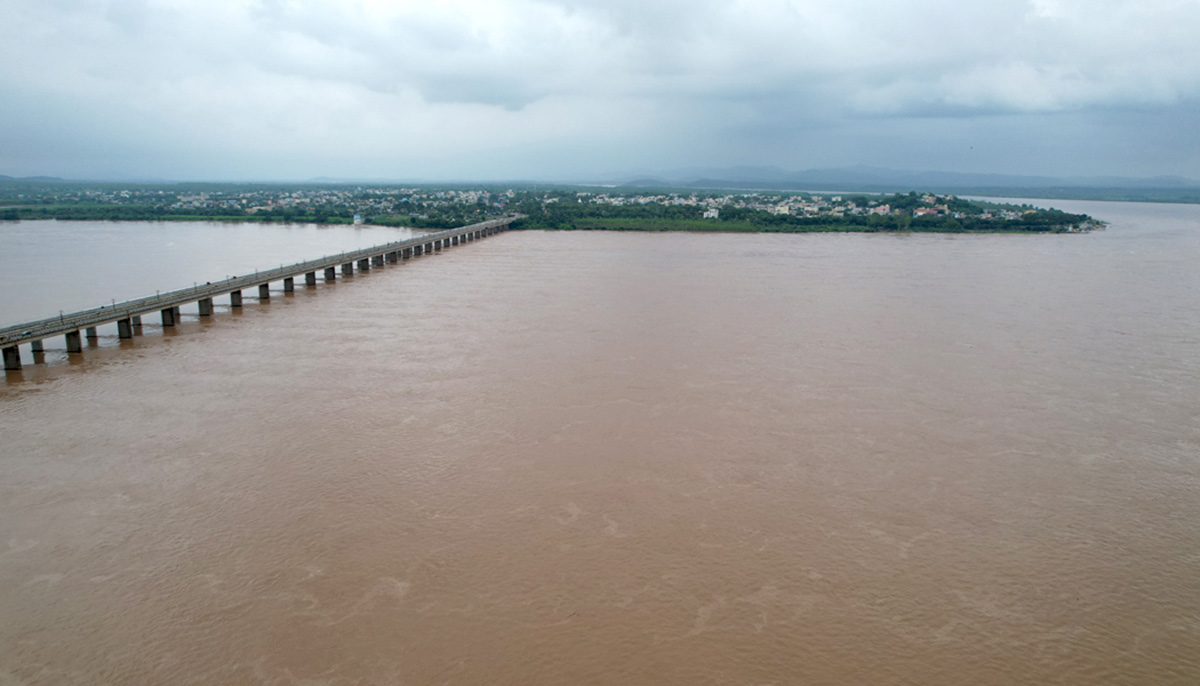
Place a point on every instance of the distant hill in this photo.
(646, 182)
(880, 180)
(29, 178)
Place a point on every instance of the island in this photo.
(558, 207)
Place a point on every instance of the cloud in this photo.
(421, 82)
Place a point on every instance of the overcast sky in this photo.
(583, 89)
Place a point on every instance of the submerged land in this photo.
(543, 207)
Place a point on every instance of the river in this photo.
(77, 265)
(632, 458)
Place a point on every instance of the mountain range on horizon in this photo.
(866, 178)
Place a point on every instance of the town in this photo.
(544, 207)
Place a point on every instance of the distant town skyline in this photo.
(583, 90)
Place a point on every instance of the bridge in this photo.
(128, 315)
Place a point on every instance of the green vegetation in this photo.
(550, 208)
(425, 207)
(788, 213)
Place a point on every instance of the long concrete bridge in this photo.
(128, 315)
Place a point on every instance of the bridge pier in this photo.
(91, 333)
(428, 248)
(168, 317)
(406, 253)
(235, 299)
(310, 279)
(264, 291)
(437, 245)
(364, 265)
(393, 257)
(12, 358)
(330, 274)
(74, 345)
(206, 307)
(377, 260)
(347, 269)
(289, 285)
(137, 320)
(125, 328)
(37, 347)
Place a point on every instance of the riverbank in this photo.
(560, 207)
(746, 226)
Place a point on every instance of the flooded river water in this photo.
(626, 458)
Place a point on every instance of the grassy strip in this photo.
(718, 226)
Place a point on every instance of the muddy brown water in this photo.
(614, 458)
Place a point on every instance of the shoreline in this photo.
(659, 226)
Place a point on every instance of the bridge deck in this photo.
(28, 332)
